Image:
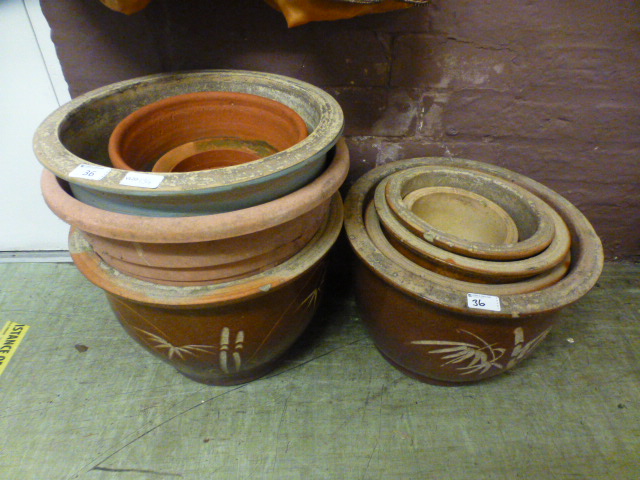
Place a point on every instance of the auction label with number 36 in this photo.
(483, 302)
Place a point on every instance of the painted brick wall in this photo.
(548, 89)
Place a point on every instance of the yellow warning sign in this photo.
(10, 337)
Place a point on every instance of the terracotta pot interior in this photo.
(235, 127)
(463, 214)
(211, 153)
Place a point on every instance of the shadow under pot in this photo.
(469, 269)
(223, 334)
(445, 334)
(204, 130)
(73, 143)
(205, 249)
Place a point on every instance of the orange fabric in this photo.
(299, 12)
(126, 6)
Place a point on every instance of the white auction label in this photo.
(142, 180)
(90, 172)
(483, 302)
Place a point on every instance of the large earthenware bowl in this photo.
(225, 334)
(204, 130)
(446, 334)
(533, 222)
(206, 249)
(78, 134)
(466, 268)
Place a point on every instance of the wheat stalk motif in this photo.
(479, 358)
(160, 344)
(311, 299)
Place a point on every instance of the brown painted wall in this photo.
(548, 89)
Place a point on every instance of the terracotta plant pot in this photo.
(78, 134)
(205, 130)
(442, 334)
(203, 249)
(462, 214)
(530, 284)
(225, 334)
(466, 268)
(535, 227)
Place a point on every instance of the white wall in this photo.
(31, 87)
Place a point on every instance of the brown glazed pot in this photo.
(240, 126)
(204, 249)
(223, 334)
(466, 268)
(531, 216)
(437, 333)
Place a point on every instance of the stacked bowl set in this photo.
(204, 204)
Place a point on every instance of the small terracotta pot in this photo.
(242, 126)
(203, 249)
(225, 334)
(466, 268)
(535, 228)
(440, 333)
(462, 214)
(78, 134)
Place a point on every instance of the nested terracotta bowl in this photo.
(222, 334)
(446, 334)
(78, 134)
(532, 284)
(205, 249)
(466, 268)
(204, 130)
(534, 224)
(461, 213)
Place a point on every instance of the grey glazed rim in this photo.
(587, 254)
(56, 157)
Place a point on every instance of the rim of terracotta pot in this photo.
(61, 151)
(550, 257)
(543, 280)
(119, 284)
(180, 118)
(535, 226)
(191, 229)
(586, 253)
(426, 196)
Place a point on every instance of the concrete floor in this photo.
(81, 400)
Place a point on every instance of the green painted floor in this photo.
(81, 400)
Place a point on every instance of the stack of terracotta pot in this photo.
(463, 264)
(203, 204)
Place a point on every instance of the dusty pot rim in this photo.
(375, 232)
(148, 293)
(56, 157)
(587, 254)
(424, 195)
(191, 229)
(547, 259)
(532, 207)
